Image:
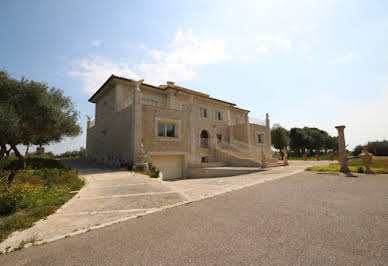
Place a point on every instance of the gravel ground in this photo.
(306, 218)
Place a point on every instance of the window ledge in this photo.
(168, 138)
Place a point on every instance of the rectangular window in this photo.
(203, 112)
(166, 130)
(217, 115)
(219, 137)
(259, 138)
(233, 121)
(161, 129)
(170, 130)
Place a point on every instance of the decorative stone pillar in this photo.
(342, 149)
(285, 156)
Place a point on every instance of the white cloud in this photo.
(262, 49)
(292, 28)
(271, 41)
(186, 52)
(342, 59)
(94, 70)
(263, 45)
(179, 62)
(304, 28)
(96, 43)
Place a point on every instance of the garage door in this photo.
(170, 166)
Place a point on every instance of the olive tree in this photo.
(33, 113)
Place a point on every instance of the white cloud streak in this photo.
(342, 59)
(179, 62)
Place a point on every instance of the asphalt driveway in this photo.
(305, 219)
(115, 196)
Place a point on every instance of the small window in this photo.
(202, 112)
(259, 138)
(233, 121)
(161, 129)
(170, 130)
(219, 138)
(204, 159)
(166, 130)
(217, 115)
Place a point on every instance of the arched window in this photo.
(204, 139)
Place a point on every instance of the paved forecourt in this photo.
(304, 219)
(114, 196)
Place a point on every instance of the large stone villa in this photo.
(176, 129)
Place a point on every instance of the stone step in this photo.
(208, 172)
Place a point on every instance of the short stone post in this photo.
(342, 150)
(285, 156)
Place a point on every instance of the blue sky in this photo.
(307, 63)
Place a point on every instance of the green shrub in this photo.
(360, 169)
(32, 162)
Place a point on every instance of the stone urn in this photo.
(367, 159)
(317, 157)
(331, 157)
(304, 157)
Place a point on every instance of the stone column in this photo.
(342, 149)
(268, 136)
(137, 121)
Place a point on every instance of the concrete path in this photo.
(200, 188)
(114, 196)
(108, 197)
(304, 219)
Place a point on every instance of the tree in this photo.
(298, 139)
(33, 113)
(279, 137)
(357, 150)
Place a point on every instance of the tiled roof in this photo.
(164, 87)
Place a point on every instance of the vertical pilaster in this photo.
(248, 132)
(193, 130)
(137, 121)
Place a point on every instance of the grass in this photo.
(35, 193)
(379, 166)
(312, 158)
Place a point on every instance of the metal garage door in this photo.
(170, 166)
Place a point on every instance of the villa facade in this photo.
(174, 128)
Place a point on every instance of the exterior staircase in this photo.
(230, 160)
(219, 171)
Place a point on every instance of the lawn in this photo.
(35, 193)
(312, 158)
(379, 166)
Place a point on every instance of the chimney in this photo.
(170, 83)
